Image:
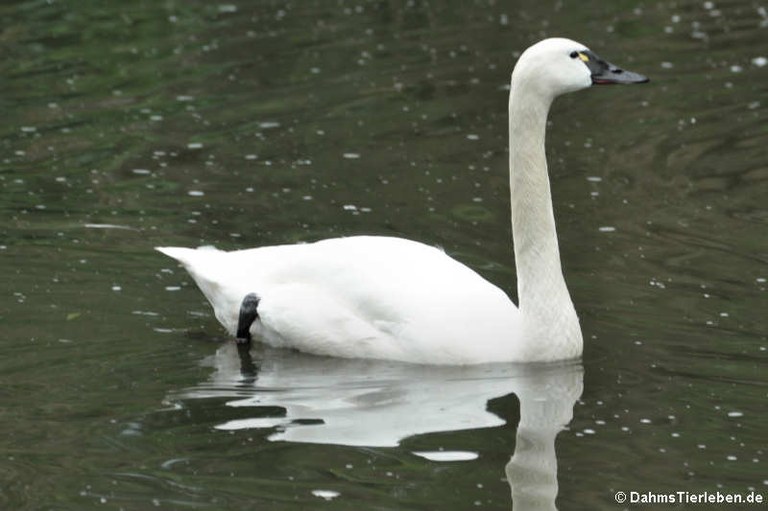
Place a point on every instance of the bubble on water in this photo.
(28, 129)
(185, 99)
(760, 61)
(227, 8)
(736, 68)
(735, 413)
(141, 172)
(606, 228)
(326, 494)
(473, 136)
(594, 179)
(351, 156)
(195, 193)
(173, 288)
(117, 288)
(195, 145)
(269, 125)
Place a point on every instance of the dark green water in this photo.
(133, 124)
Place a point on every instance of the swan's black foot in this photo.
(248, 314)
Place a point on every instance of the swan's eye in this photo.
(574, 54)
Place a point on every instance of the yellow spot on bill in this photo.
(583, 57)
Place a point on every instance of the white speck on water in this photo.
(760, 61)
(606, 228)
(645, 421)
(195, 145)
(447, 455)
(667, 65)
(735, 413)
(156, 118)
(351, 156)
(594, 179)
(473, 136)
(326, 494)
(145, 313)
(349, 207)
(709, 5)
(141, 172)
(117, 288)
(736, 68)
(108, 226)
(196, 193)
(173, 288)
(227, 8)
(731, 457)
(185, 99)
(589, 431)
(28, 129)
(269, 125)
(251, 156)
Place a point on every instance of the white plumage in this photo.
(391, 298)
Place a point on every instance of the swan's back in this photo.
(364, 296)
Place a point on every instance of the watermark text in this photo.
(688, 497)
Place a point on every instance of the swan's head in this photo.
(557, 65)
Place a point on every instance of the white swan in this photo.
(390, 298)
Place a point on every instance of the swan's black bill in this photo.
(605, 73)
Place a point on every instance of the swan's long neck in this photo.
(543, 295)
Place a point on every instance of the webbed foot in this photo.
(248, 314)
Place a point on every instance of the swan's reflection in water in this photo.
(376, 403)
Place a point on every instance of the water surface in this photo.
(134, 124)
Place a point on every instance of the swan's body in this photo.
(390, 298)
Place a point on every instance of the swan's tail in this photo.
(181, 254)
(189, 256)
(206, 268)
